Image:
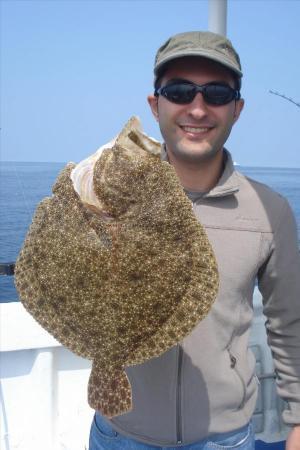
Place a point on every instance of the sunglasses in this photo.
(184, 92)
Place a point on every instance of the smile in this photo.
(195, 129)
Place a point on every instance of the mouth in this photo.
(192, 130)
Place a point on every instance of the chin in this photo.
(195, 154)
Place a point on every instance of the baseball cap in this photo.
(198, 43)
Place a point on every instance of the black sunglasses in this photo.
(184, 92)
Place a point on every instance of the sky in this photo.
(73, 73)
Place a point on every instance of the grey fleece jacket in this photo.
(207, 383)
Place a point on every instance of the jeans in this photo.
(102, 436)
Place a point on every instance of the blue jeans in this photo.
(103, 437)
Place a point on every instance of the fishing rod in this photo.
(285, 97)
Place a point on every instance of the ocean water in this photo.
(23, 185)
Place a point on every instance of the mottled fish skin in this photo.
(124, 282)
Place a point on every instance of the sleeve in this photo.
(279, 284)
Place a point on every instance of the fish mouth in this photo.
(131, 144)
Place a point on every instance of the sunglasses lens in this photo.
(218, 94)
(179, 93)
(184, 93)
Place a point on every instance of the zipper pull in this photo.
(233, 361)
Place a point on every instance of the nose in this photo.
(198, 107)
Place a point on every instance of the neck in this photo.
(202, 176)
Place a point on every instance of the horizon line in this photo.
(236, 165)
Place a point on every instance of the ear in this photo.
(153, 103)
(239, 105)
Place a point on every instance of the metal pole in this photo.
(217, 16)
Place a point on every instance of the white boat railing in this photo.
(43, 390)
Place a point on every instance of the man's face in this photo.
(197, 131)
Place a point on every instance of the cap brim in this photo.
(209, 55)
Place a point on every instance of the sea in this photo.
(24, 184)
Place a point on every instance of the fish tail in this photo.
(109, 392)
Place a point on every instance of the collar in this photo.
(228, 183)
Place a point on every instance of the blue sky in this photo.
(73, 72)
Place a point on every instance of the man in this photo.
(201, 394)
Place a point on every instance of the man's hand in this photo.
(293, 440)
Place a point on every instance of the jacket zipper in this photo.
(233, 362)
(178, 397)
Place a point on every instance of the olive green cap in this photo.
(198, 43)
